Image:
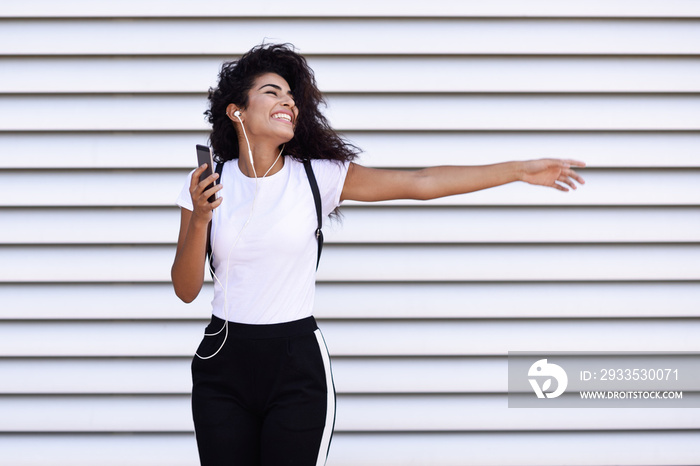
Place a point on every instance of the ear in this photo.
(230, 110)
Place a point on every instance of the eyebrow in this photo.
(276, 87)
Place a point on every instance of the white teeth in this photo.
(282, 116)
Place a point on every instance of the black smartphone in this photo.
(204, 155)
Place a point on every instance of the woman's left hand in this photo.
(552, 172)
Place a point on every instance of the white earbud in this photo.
(237, 114)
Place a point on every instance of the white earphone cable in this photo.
(224, 287)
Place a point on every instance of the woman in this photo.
(262, 387)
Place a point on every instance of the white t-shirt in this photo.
(268, 273)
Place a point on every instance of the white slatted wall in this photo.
(101, 104)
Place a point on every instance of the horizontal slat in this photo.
(95, 376)
(100, 150)
(384, 149)
(117, 301)
(502, 263)
(173, 449)
(508, 300)
(359, 8)
(368, 301)
(419, 263)
(515, 112)
(490, 412)
(421, 74)
(375, 449)
(97, 226)
(361, 338)
(95, 414)
(408, 36)
(393, 376)
(383, 112)
(672, 187)
(617, 149)
(514, 449)
(172, 376)
(166, 113)
(505, 225)
(506, 74)
(355, 413)
(376, 225)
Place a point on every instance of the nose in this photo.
(288, 101)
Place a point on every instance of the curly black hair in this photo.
(313, 136)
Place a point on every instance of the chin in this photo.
(288, 138)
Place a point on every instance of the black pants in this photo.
(266, 399)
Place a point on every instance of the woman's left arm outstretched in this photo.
(372, 184)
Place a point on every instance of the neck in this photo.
(268, 161)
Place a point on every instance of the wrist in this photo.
(518, 171)
(198, 223)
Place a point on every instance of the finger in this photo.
(208, 180)
(569, 173)
(568, 181)
(204, 184)
(560, 187)
(199, 171)
(575, 163)
(194, 179)
(216, 203)
(210, 192)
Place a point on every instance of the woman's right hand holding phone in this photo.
(187, 272)
(201, 191)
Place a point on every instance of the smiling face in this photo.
(271, 112)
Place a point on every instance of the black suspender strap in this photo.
(317, 201)
(219, 170)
